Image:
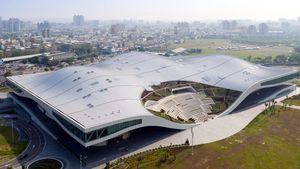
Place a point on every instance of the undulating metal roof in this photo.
(109, 91)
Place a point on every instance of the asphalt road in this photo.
(36, 143)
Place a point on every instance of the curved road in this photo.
(35, 146)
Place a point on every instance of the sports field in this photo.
(209, 47)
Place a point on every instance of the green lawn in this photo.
(4, 89)
(296, 82)
(9, 148)
(209, 47)
(294, 100)
(270, 141)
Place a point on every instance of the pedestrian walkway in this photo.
(215, 130)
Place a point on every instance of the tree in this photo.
(268, 60)
(295, 58)
(281, 59)
(297, 49)
(107, 165)
(249, 58)
(7, 73)
(139, 159)
(65, 47)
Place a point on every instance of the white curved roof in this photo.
(110, 91)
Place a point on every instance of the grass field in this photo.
(270, 141)
(209, 47)
(294, 100)
(8, 148)
(4, 89)
(296, 82)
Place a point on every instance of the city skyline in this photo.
(167, 10)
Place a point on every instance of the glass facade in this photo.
(13, 87)
(281, 79)
(96, 134)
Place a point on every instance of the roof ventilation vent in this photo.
(108, 80)
(90, 105)
(89, 72)
(78, 90)
(94, 83)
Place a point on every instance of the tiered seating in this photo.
(186, 106)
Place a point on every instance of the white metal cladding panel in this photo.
(110, 112)
(86, 87)
(102, 98)
(126, 76)
(42, 84)
(77, 79)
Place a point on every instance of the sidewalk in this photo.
(214, 130)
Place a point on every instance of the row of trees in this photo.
(280, 59)
(78, 49)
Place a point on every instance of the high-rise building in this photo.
(263, 28)
(298, 19)
(252, 29)
(229, 25)
(225, 25)
(13, 25)
(233, 25)
(116, 28)
(44, 29)
(78, 20)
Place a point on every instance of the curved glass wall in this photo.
(281, 79)
(96, 134)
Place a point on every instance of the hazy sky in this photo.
(152, 9)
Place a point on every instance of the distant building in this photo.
(263, 28)
(13, 25)
(233, 25)
(61, 56)
(44, 29)
(0, 24)
(298, 19)
(226, 25)
(78, 20)
(179, 50)
(182, 28)
(252, 29)
(116, 28)
(92, 23)
(229, 25)
(285, 25)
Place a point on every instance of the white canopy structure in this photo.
(102, 101)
